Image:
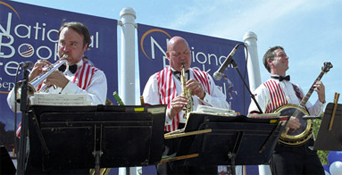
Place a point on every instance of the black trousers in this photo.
(287, 160)
(176, 167)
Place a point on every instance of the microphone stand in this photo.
(22, 156)
(244, 82)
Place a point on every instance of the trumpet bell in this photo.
(30, 89)
(40, 78)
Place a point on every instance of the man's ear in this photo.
(168, 55)
(269, 62)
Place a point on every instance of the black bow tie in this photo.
(72, 68)
(287, 78)
(178, 74)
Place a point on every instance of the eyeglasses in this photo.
(177, 54)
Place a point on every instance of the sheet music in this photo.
(202, 109)
(268, 115)
(60, 99)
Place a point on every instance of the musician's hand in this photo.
(196, 88)
(320, 89)
(293, 123)
(38, 68)
(177, 105)
(56, 78)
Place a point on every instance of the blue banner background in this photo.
(207, 54)
(28, 33)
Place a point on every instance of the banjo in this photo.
(301, 135)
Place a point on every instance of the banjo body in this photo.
(299, 136)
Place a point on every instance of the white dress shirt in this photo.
(96, 89)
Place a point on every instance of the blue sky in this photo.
(309, 30)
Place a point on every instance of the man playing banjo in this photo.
(277, 92)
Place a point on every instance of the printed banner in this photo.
(207, 54)
(29, 33)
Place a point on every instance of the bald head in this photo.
(178, 53)
(176, 40)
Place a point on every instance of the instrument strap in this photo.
(296, 89)
(299, 95)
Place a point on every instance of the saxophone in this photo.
(187, 93)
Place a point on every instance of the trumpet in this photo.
(187, 93)
(33, 84)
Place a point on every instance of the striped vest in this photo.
(83, 76)
(277, 95)
(167, 90)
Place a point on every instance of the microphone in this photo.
(26, 64)
(229, 60)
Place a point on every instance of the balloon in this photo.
(326, 168)
(326, 173)
(334, 156)
(336, 168)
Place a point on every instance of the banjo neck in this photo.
(307, 96)
(295, 137)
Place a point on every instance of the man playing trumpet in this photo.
(76, 77)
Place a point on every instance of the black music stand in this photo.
(71, 138)
(329, 136)
(233, 141)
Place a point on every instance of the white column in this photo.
(250, 39)
(127, 66)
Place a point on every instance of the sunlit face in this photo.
(280, 62)
(178, 54)
(71, 43)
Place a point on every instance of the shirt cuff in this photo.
(168, 121)
(320, 105)
(206, 100)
